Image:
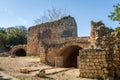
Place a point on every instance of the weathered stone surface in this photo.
(96, 63)
(63, 28)
(58, 61)
(92, 63)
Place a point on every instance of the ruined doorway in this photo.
(20, 52)
(70, 55)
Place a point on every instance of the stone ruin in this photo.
(103, 59)
(57, 44)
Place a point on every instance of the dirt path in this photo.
(4, 76)
(11, 66)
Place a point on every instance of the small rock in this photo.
(24, 70)
(41, 73)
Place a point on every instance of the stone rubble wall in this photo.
(97, 63)
(98, 32)
(92, 63)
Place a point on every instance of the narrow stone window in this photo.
(66, 33)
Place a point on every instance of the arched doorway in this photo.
(69, 55)
(20, 52)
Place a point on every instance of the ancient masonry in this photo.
(58, 45)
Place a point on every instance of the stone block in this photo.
(24, 70)
(59, 61)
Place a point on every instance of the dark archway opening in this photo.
(20, 52)
(70, 55)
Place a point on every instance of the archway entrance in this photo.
(20, 52)
(69, 55)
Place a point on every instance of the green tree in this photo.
(13, 36)
(17, 35)
(3, 37)
(117, 29)
(115, 16)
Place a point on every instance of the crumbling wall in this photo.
(98, 32)
(63, 28)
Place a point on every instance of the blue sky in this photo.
(24, 12)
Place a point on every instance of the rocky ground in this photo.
(11, 67)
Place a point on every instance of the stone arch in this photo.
(69, 54)
(19, 50)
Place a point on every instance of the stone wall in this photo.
(97, 63)
(59, 61)
(63, 28)
(92, 63)
(52, 48)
